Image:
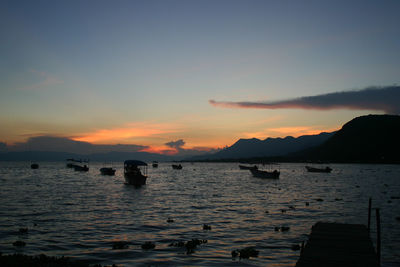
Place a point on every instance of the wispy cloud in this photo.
(46, 80)
(176, 144)
(386, 99)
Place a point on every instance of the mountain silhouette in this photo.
(270, 147)
(371, 138)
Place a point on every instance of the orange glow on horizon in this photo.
(123, 134)
(160, 150)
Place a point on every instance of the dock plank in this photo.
(337, 244)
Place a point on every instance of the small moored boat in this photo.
(76, 164)
(79, 168)
(177, 167)
(133, 173)
(313, 169)
(265, 174)
(107, 171)
(34, 166)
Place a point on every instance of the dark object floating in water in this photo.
(23, 230)
(243, 167)
(206, 227)
(282, 228)
(313, 169)
(34, 166)
(155, 164)
(292, 207)
(79, 168)
(170, 220)
(148, 245)
(307, 204)
(120, 245)
(107, 171)
(395, 197)
(265, 174)
(192, 244)
(338, 199)
(176, 167)
(133, 174)
(319, 199)
(266, 211)
(245, 253)
(295, 247)
(72, 163)
(398, 218)
(19, 243)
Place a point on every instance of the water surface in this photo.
(81, 215)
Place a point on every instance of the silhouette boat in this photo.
(107, 171)
(80, 168)
(176, 167)
(313, 169)
(34, 166)
(77, 164)
(265, 174)
(133, 172)
(243, 167)
(155, 164)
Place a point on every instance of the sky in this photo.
(194, 75)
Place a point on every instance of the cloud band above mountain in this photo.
(386, 99)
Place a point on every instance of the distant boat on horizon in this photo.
(79, 168)
(71, 162)
(177, 167)
(34, 166)
(313, 169)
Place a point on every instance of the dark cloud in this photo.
(386, 99)
(178, 144)
(179, 151)
(56, 144)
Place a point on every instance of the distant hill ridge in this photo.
(252, 148)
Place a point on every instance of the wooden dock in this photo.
(336, 244)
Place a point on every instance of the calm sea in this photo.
(82, 215)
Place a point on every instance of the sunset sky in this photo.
(207, 73)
